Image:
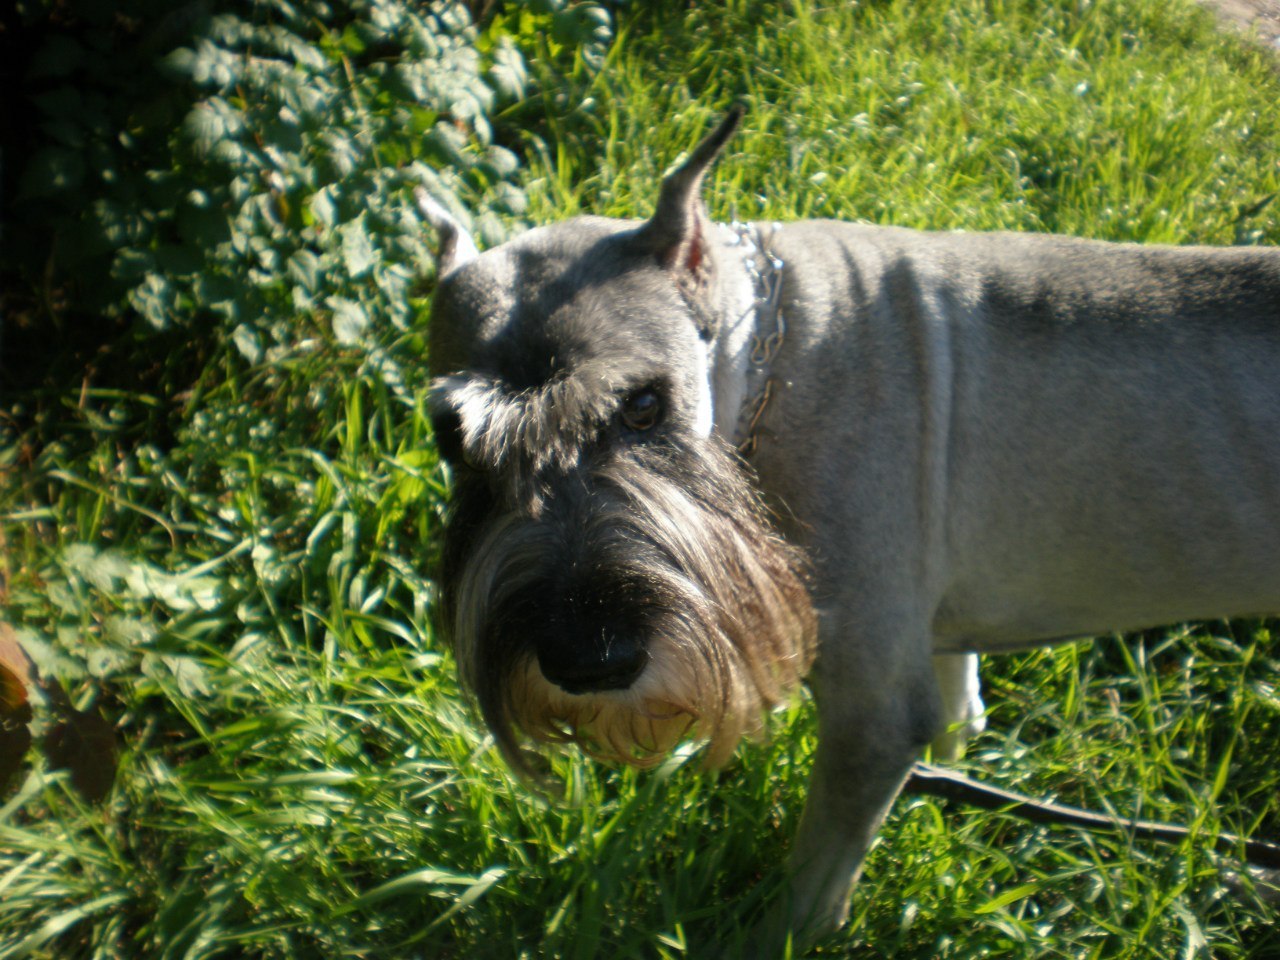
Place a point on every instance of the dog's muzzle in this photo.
(594, 638)
(624, 604)
(609, 662)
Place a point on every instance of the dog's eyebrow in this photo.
(537, 426)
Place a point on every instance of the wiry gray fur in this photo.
(979, 442)
(573, 538)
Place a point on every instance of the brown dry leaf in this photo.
(85, 744)
(17, 673)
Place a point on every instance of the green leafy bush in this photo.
(233, 183)
(255, 174)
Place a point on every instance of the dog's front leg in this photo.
(876, 710)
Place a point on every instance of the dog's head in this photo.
(609, 576)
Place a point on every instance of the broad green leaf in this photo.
(357, 250)
(508, 75)
(349, 320)
(50, 171)
(204, 127)
(304, 270)
(247, 342)
(323, 208)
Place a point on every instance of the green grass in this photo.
(299, 776)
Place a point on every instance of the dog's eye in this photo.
(642, 410)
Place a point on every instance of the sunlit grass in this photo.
(299, 776)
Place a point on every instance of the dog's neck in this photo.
(738, 366)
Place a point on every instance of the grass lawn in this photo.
(237, 578)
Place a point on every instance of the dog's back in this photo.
(1098, 424)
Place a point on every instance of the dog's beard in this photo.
(674, 542)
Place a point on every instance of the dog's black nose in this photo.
(607, 663)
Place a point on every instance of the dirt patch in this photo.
(1259, 17)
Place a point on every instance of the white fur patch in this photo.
(704, 418)
(962, 706)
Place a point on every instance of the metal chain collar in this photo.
(765, 269)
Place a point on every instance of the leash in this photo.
(948, 785)
(765, 269)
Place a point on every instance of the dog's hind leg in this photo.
(962, 707)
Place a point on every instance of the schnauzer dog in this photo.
(695, 465)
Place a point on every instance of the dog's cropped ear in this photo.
(456, 245)
(675, 232)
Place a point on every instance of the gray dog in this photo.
(688, 458)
